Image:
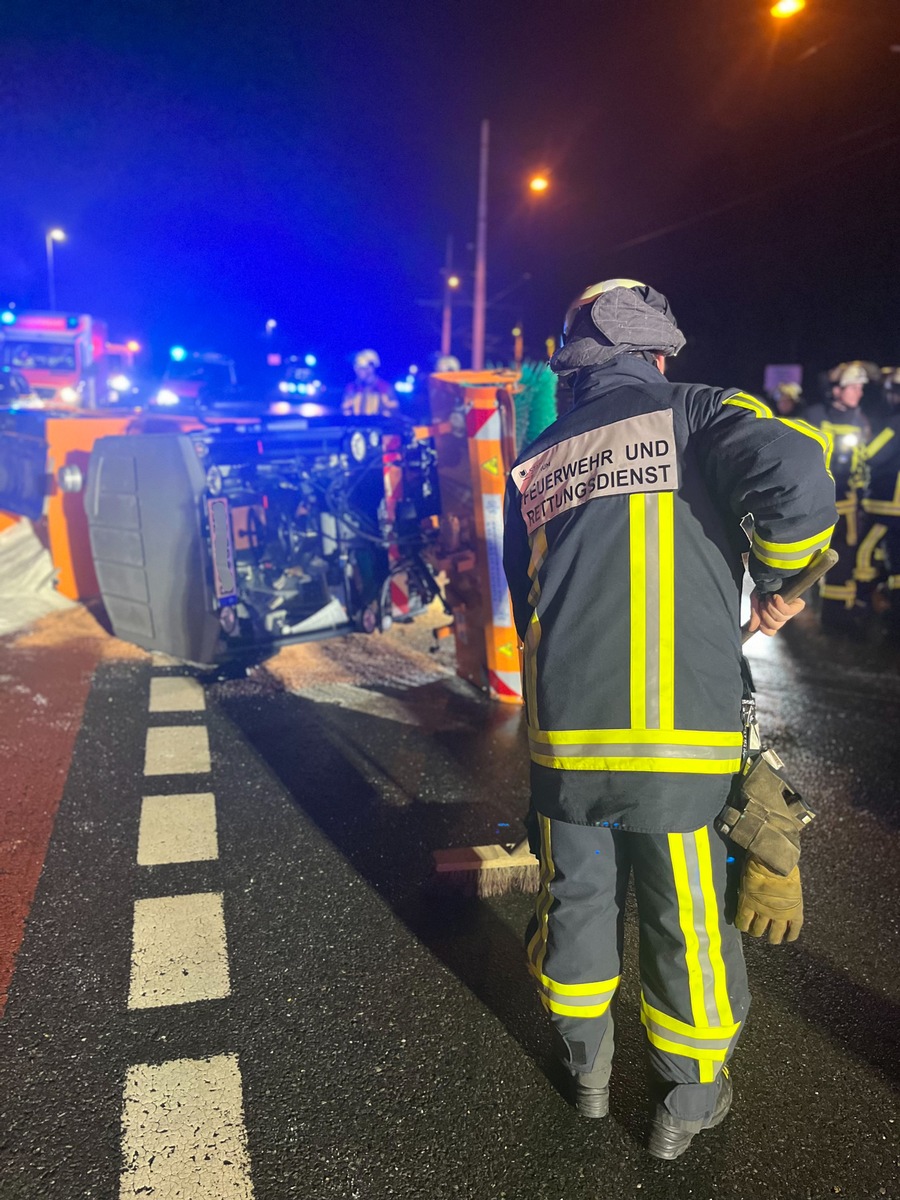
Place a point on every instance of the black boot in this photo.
(670, 1136)
(590, 1101)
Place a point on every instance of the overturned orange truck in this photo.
(208, 539)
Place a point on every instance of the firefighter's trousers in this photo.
(883, 536)
(694, 995)
(838, 588)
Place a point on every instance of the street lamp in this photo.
(787, 8)
(53, 235)
(451, 284)
(539, 183)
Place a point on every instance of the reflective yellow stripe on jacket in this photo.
(884, 508)
(752, 404)
(787, 555)
(684, 751)
(790, 555)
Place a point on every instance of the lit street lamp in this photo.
(53, 235)
(787, 8)
(539, 183)
(451, 284)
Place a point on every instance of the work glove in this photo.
(769, 904)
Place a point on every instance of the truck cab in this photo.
(61, 355)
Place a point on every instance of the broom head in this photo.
(486, 871)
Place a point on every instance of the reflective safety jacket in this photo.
(849, 430)
(882, 497)
(623, 552)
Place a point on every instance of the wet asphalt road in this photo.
(390, 1043)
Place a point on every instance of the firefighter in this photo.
(881, 504)
(787, 400)
(848, 427)
(623, 553)
(368, 395)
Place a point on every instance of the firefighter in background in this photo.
(368, 395)
(787, 400)
(623, 552)
(881, 503)
(848, 427)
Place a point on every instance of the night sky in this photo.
(216, 164)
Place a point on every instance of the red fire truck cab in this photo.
(61, 355)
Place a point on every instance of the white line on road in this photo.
(179, 952)
(183, 1131)
(177, 829)
(160, 660)
(177, 750)
(176, 693)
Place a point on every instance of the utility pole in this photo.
(447, 315)
(480, 298)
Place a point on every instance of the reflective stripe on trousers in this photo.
(693, 983)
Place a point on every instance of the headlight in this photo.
(167, 398)
(374, 438)
(214, 481)
(358, 445)
(69, 394)
(121, 383)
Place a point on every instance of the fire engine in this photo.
(63, 356)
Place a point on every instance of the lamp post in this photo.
(479, 304)
(538, 184)
(53, 235)
(451, 283)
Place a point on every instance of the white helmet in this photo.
(366, 358)
(852, 374)
(591, 293)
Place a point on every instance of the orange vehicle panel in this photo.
(70, 441)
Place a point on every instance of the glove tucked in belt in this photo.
(769, 903)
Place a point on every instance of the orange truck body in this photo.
(474, 434)
(51, 441)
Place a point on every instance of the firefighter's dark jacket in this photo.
(623, 552)
(883, 459)
(848, 429)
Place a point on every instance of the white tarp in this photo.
(26, 579)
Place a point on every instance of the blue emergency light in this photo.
(7, 317)
(310, 360)
(178, 354)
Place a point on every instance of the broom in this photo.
(488, 871)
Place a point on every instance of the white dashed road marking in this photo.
(177, 829)
(177, 750)
(183, 1135)
(179, 952)
(183, 1131)
(176, 693)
